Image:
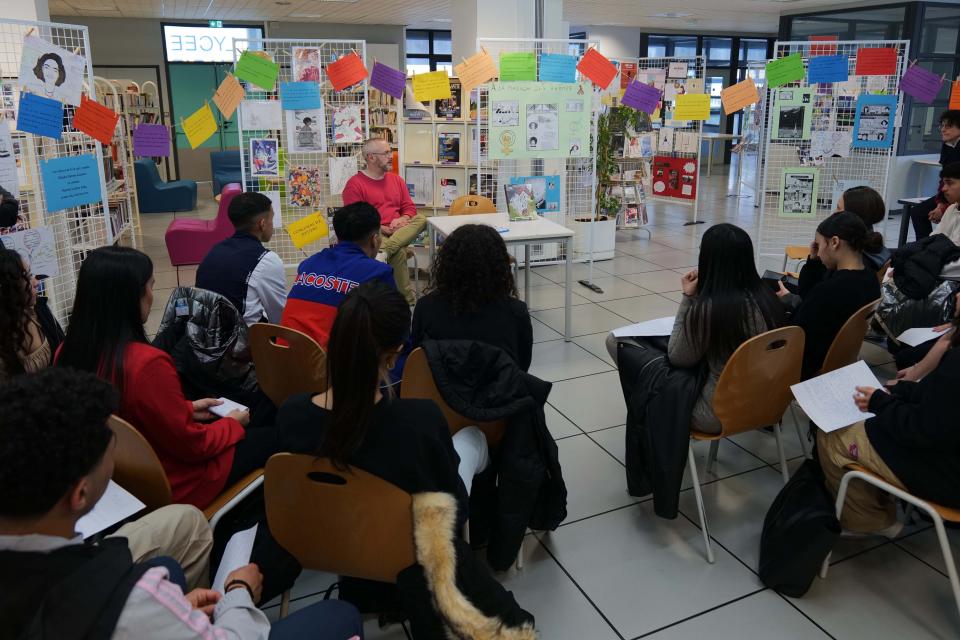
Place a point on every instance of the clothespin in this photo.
(29, 31)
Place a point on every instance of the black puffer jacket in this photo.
(524, 487)
(917, 266)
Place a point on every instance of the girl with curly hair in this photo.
(24, 345)
(473, 296)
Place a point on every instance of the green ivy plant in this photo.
(613, 120)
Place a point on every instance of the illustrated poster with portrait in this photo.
(51, 72)
(539, 120)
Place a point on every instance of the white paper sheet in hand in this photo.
(116, 504)
(235, 555)
(828, 399)
(659, 327)
(918, 336)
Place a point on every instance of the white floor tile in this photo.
(596, 343)
(642, 308)
(542, 333)
(612, 288)
(925, 546)
(550, 297)
(595, 481)
(558, 424)
(626, 264)
(560, 360)
(656, 281)
(584, 319)
(591, 403)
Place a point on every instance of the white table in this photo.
(924, 164)
(711, 138)
(525, 232)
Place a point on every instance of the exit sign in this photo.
(215, 24)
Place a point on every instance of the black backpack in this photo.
(799, 531)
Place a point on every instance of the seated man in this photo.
(56, 459)
(325, 278)
(400, 223)
(950, 191)
(241, 269)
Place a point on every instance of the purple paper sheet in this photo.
(921, 84)
(641, 97)
(387, 79)
(151, 140)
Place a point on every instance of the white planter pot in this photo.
(604, 238)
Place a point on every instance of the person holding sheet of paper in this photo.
(949, 221)
(930, 211)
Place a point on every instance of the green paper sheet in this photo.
(257, 70)
(518, 66)
(784, 70)
(799, 191)
(539, 120)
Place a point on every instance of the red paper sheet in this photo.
(597, 68)
(346, 72)
(822, 49)
(95, 120)
(876, 62)
(675, 177)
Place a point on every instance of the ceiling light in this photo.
(671, 14)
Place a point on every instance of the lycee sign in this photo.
(203, 44)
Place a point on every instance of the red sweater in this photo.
(389, 195)
(197, 456)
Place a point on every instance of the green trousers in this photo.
(394, 246)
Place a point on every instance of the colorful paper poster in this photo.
(628, 71)
(784, 70)
(264, 158)
(346, 72)
(829, 144)
(538, 120)
(433, 85)
(476, 70)
(308, 229)
(521, 203)
(665, 140)
(199, 126)
(9, 178)
(693, 85)
(70, 181)
(674, 177)
(420, 184)
(558, 67)
(849, 88)
(228, 95)
(692, 106)
(873, 123)
(448, 147)
(261, 115)
(306, 64)
(639, 145)
(452, 106)
(823, 69)
(257, 69)
(37, 248)
(685, 142)
(546, 191)
(880, 61)
(41, 116)
(347, 126)
(340, 170)
(739, 96)
(388, 80)
(799, 187)
(51, 72)
(596, 68)
(672, 89)
(9, 93)
(306, 130)
(954, 95)
(304, 187)
(151, 141)
(878, 84)
(641, 97)
(792, 111)
(299, 95)
(95, 120)
(518, 66)
(822, 49)
(677, 70)
(653, 77)
(448, 192)
(921, 84)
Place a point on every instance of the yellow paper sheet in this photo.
(199, 126)
(740, 95)
(434, 85)
(476, 70)
(307, 229)
(692, 106)
(228, 95)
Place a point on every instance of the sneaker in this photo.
(890, 532)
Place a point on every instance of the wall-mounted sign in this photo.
(204, 44)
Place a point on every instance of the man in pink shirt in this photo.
(400, 224)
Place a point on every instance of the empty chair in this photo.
(156, 196)
(190, 239)
(225, 169)
(468, 204)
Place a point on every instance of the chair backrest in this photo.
(882, 271)
(845, 348)
(468, 204)
(351, 523)
(137, 467)
(225, 160)
(227, 194)
(418, 382)
(754, 386)
(146, 169)
(288, 361)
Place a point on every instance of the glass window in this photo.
(418, 42)
(656, 51)
(417, 65)
(717, 50)
(445, 66)
(940, 31)
(687, 47)
(752, 50)
(428, 50)
(441, 42)
(714, 86)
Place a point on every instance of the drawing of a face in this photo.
(50, 70)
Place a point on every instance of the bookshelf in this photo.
(118, 161)
(384, 117)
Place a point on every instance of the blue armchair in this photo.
(157, 196)
(225, 169)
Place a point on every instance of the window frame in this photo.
(431, 57)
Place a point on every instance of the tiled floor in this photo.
(614, 570)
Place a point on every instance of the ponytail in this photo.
(848, 227)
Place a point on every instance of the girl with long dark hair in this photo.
(25, 346)
(473, 296)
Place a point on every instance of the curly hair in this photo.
(15, 298)
(472, 269)
(53, 431)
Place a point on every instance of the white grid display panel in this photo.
(122, 192)
(281, 52)
(578, 175)
(752, 134)
(832, 110)
(76, 230)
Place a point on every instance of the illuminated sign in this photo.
(203, 44)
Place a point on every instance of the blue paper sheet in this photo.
(299, 95)
(873, 126)
(40, 115)
(71, 181)
(827, 69)
(558, 67)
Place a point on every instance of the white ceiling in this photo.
(706, 15)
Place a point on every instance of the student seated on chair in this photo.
(931, 211)
(869, 205)
(202, 455)
(241, 268)
(400, 224)
(950, 191)
(724, 304)
(474, 296)
(325, 278)
(56, 458)
(824, 305)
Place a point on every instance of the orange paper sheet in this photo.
(475, 70)
(740, 95)
(346, 72)
(228, 95)
(954, 95)
(95, 120)
(597, 68)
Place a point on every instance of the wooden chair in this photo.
(753, 392)
(288, 361)
(936, 512)
(882, 271)
(845, 348)
(465, 205)
(138, 470)
(351, 523)
(797, 252)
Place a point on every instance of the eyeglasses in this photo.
(381, 153)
